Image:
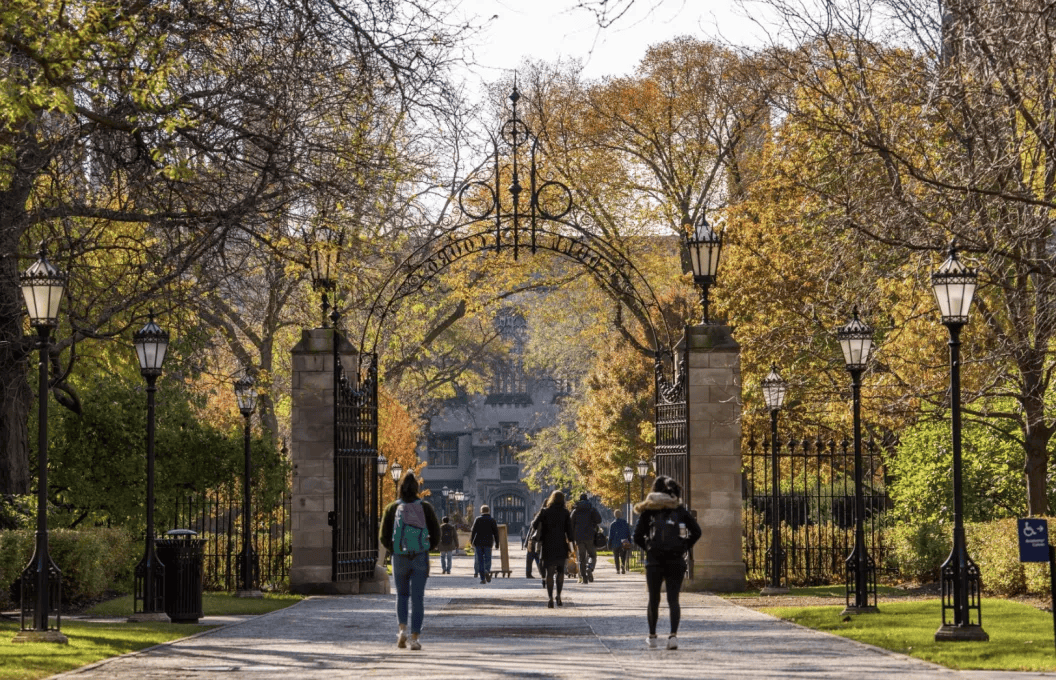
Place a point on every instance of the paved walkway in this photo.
(505, 630)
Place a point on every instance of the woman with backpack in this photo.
(666, 530)
(553, 530)
(409, 530)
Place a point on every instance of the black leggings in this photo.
(656, 575)
(553, 570)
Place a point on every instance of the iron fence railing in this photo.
(815, 508)
(217, 518)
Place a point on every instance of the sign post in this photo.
(1034, 547)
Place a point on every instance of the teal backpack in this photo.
(410, 535)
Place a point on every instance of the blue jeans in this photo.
(445, 561)
(410, 572)
(482, 560)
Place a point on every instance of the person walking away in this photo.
(553, 528)
(666, 530)
(585, 522)
(619, 541)
(484, 534)
(531, 547)
(448, 544)
(409, 530)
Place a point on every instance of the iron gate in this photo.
(672, 426)
(355, 515)
(815, 507)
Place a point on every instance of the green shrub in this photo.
(918, 550)
(92, 561)
(994, 547)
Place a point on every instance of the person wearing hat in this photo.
(483, 535)
(585, 522)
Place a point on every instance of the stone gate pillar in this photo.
(714, 418)
(312, 456)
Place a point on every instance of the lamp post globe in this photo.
(383, 466)
(446, 492)
(246, 396)
(628, 476)
(42, 287)
(856, 342)
(396, 470)
(704, 246)
(774, 390)
(643, 472)
(148, 602)
(954, 286)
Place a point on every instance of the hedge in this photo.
(93, 562)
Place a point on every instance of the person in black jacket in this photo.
(664, 564)
(585, 522)
(553, 530)
(409, 570)
(484, 534)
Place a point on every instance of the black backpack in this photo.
(665, 536)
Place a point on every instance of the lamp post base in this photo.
(253, 594)
(149, 617)
(769, 591)
(852, 609)
(970, 633)
(30, 636)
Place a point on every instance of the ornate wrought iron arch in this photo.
(493, 218)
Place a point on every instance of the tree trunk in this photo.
(1036, 462)
(16, 396)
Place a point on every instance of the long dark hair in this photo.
(409, 487)
(556, 499)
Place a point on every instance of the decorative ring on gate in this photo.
(489, 198)
(515, 132)
(567, 198)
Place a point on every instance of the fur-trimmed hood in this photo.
(657, 501)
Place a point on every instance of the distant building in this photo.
(472, 443)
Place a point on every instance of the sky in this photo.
(549, 29)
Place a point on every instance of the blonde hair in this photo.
(485, 510)
(556, 498)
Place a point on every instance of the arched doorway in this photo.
(510, 509)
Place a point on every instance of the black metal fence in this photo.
(815, 507)
(217, 517)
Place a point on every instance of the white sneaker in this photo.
(652, 642)
(401, 640)
(415, 645)
(672, 642)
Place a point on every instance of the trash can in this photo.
(183, 557)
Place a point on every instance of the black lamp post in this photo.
(246, 394)
(856, 341)
(643, 472)
(446, 492)
(148, 603)
(383, 467)
(954, 287)
(774, 389)
(396, 470)
(705, 249)
(42, 286)
(628, 475)
(324, 250)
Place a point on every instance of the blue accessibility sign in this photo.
(1033, 540)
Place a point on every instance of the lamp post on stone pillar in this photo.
(42, 286)
(954, 287)
(705, 249)
(148, 602)
(324, 250)
(856, 341)
(396, 470)
(774, 389)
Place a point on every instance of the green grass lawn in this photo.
(836, 591)
(91, 642)
(1021, 636)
